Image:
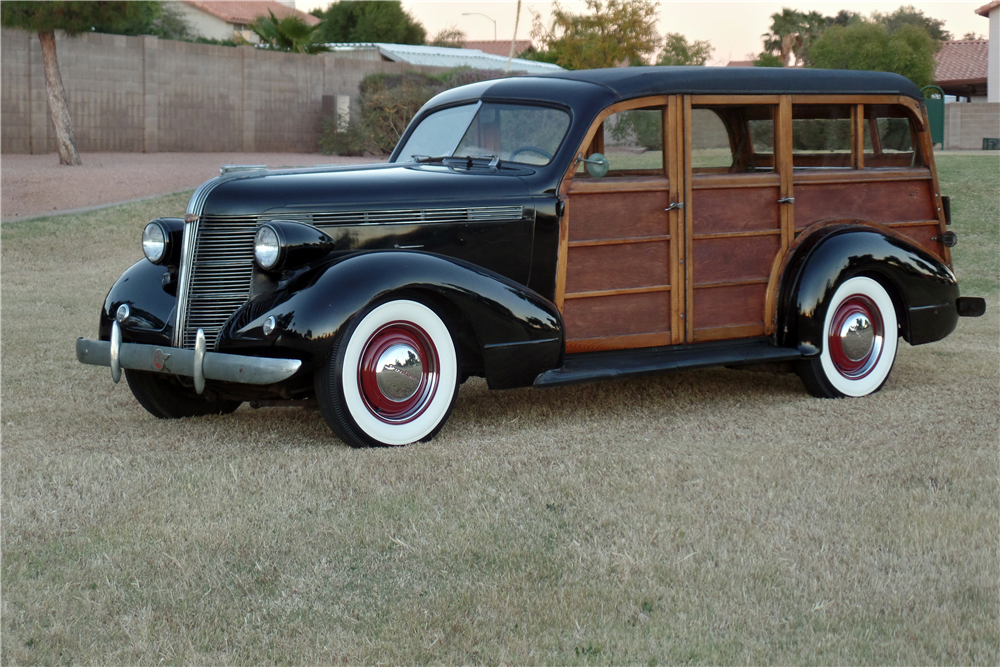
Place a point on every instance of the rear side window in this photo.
(737, 139)
(890, 137)
(821, 136)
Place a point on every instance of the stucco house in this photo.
(992, 12)
(222, 19)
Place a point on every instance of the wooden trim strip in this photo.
(688, 256)
(732, 283)
(675, 219)
(783, 152)
(736, 235)
(721, 181)
(618, 342)
(617, 292)
(913, 223)
(863, 176)
(724, 333)
(618, 185)
(733, 100)
(623, 241)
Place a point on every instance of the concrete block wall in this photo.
(142, 94)
(966, 125)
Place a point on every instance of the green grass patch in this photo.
(702, 517)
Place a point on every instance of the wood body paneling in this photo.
(875, 201)
(737, 236)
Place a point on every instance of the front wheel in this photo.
(391, 378)
(859, 344)
(165, 399)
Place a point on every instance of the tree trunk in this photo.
(513, 41)
(58, 109)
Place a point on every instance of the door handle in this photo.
(675, 206)
(787, 200)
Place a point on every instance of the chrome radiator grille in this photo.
(221, 274)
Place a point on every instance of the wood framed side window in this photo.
(632, 140)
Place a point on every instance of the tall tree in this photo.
(615, 32)
(908, 15)
(288, 34)
(452, 37)
(867, 45)
(72, 18)
(678, 51)
(369, 21)
(792, 33)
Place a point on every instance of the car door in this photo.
(617, 284)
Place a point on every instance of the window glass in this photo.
(633, 142)
(512, 132)
(732, 139)
(889, 138)
(821, 136)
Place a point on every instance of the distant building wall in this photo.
(966, 125)
(142, 94)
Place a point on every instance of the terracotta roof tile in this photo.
(499, 47)
(985, 9)
(234, 11)
(963, 61)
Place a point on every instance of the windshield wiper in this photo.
(494, 159)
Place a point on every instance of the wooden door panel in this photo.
(643, 317)
(736, 210)
(732, 259)
(618, 266)
(735, 311)
(618, 215)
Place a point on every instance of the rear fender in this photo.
(517, 333)
(922, 287)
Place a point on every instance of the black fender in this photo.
(515, 333)
(922, 287)
(151, 304)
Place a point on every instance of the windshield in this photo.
(510, 132)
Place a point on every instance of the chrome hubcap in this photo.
(398, 372)
(857, 337)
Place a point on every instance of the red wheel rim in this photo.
(855, 336)
(373, 370)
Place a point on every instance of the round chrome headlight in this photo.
(154, 242)
(266, 248)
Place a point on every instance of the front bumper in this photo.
(198, 363)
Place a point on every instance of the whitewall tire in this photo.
(392, 377)
(860, 338)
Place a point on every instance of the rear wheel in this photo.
(391, 378)
(164, 399)
(860, 337)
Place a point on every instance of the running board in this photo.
(590, 366)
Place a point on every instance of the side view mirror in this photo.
(597, 164)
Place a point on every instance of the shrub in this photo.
(386, 104)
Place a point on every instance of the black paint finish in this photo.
(482, 309)
(923, 288)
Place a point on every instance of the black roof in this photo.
(631, 82)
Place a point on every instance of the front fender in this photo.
(151, 305)
(923, 288)
(509, 321)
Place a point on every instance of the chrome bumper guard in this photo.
(197, 363)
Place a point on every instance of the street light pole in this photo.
(481, 14)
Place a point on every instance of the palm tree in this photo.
(792, 32)
(288, 34)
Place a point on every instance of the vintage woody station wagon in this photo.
(550, 230)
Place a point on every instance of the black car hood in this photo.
(369, 187)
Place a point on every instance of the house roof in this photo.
(986, 9)
(962, 62)
(234, 11)
(740, 63)
(440, 56)
(500, 47)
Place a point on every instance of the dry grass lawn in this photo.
(706, 517)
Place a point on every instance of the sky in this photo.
(733, 28)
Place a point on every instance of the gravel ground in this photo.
(36, 185)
